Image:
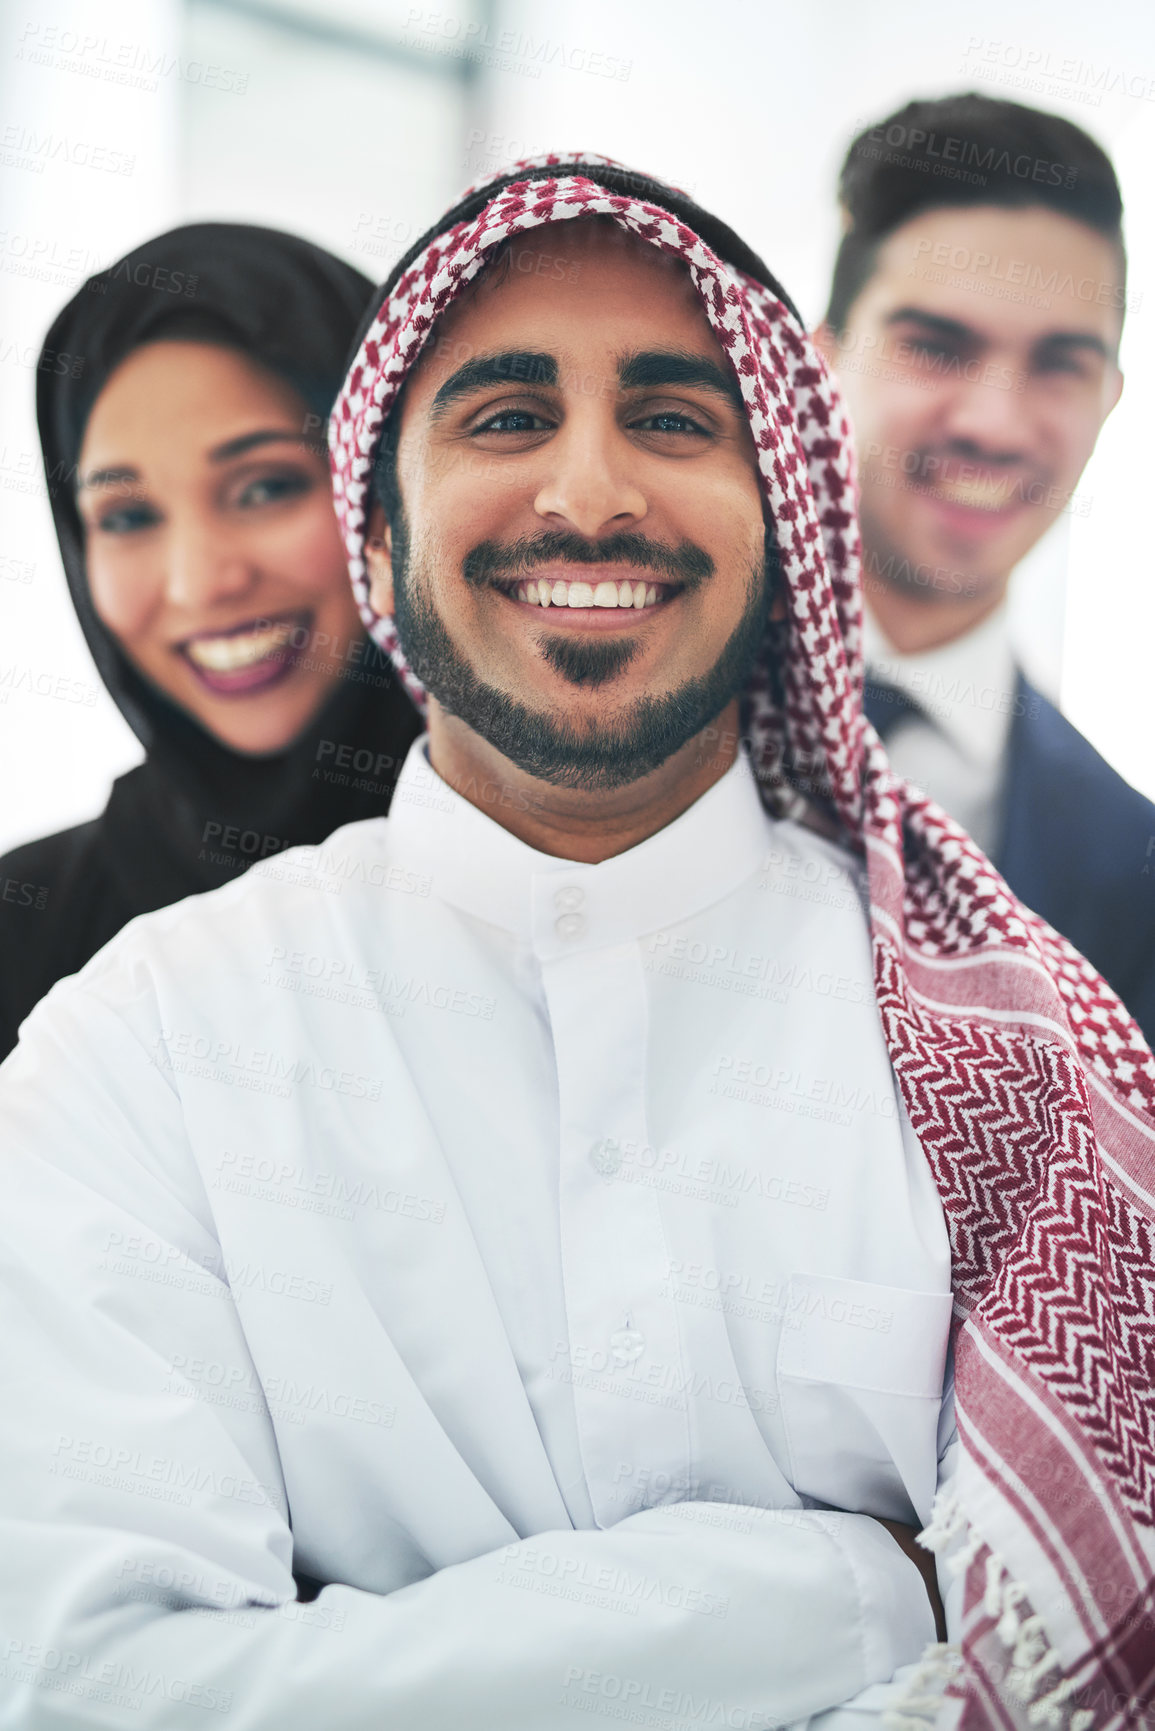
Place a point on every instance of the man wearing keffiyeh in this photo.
(755, 1182)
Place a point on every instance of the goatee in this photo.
(600, 757)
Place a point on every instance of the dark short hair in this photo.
(964, 150)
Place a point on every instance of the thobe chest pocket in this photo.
(860, 1378)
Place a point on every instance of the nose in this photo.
(991, 417)
(204, 567)
(590, 488)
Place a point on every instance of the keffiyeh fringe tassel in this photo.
(1033, 1659)
(919, 1707)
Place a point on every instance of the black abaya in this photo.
(194, 814)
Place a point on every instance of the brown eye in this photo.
(126, 519)
(271, 489)
(1073, 365)
(670, 421)
(513, 421)
(928, 351)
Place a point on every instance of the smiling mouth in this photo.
(619, 594)
(980, 495)
(244, 646)
(247, 658)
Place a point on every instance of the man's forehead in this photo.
(561, 285)
(1020, 273)
(583, 240)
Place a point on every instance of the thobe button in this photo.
(626, 1346)
(570, 926)
(569, 900)
(606, 1158)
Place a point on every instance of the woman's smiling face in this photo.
(212, 550)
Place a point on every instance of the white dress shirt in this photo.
(955, 750)
(535, 1251)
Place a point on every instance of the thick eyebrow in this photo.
(249, 441)
(219, 454)
(509, 366)
(1076, 340)
(105, 477)
(942, 327)
(959, 332)
(654, 368)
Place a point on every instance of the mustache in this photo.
(686, 563)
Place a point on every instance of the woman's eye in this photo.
(127, 519)
(513, 421)
(271, 489)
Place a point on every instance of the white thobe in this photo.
(955, 749)
(535, 1252)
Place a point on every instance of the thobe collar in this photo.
(966, 688)
(561, 907)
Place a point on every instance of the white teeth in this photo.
(980, 495)
(226, 654)
(539, 593)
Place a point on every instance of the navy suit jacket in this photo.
(1078, 845)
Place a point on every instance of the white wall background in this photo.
(60, 220)
(355, 121)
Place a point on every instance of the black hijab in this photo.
(195, 813)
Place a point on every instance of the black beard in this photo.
(614, 756)
(588, 662)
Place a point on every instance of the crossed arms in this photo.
(147, 1537)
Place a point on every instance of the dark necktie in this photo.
(885, 706)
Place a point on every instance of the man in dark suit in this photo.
(974, 320)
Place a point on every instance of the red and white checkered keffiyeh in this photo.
(1027, 1083)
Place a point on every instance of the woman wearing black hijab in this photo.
(189, 485)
